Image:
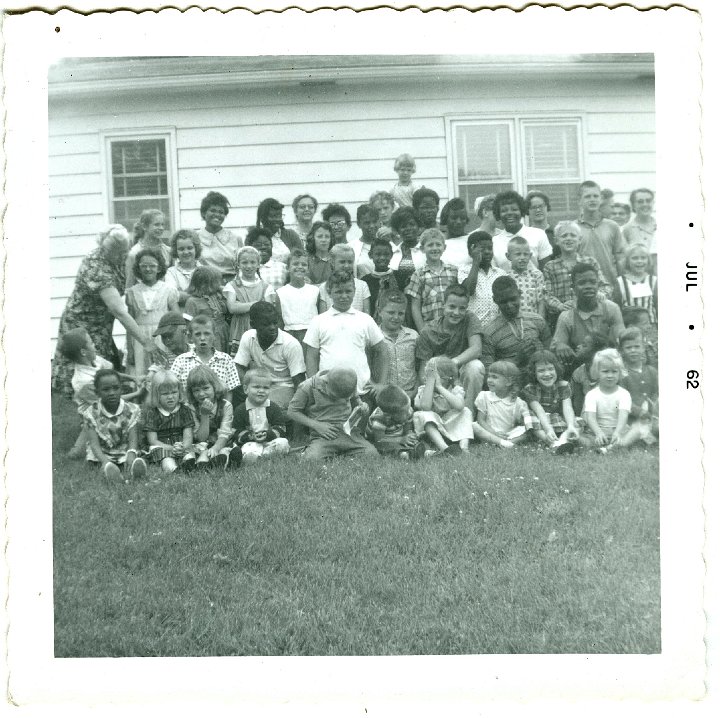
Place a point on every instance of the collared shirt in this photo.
(179, 277)
(481, 302)
(258, 415)
(642, 384)
(219, 250)
(318, 269)
(436, 340)
(558, 282)
(83, 381)
(574, 325)
(634, 233)
(430, 285)
(502, 415)
(540, 247)
(314, 399)
(343, 338)
(402, 359)
(112, 429)
(531, 284)
(513, 340)
(273, 272)
(603, 241)
(283, 358)
(363, 264)
(362, 292)
(220, 364)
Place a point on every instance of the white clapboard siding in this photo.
(337, 142)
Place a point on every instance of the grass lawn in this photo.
(497, 552)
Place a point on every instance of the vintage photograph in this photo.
(354, 355)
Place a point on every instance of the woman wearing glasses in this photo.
(304, 207)
(339, 220)
(270, 217)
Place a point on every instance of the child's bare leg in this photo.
(631, 436)
(519, 439)
(435, 437)
(464, 444)
(80, 445)
(483, 434)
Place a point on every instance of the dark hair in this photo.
(185, 234)
(537, 193)
(144, 222)
(625, 207)
(456, 290)
(162, 267)
(392, 397)
(542, 356)
(264, 208)
(214, 199)
(73, 342)
(260, 311)
(508, 197)
(380, 243)
(202, 318)
(200, 375)
(254, 233)
(296, 253)
(381, 196)
(634, 194)
(581, 268)
(101, 374)
(333, 209)
(629, 334)
(338, 278)
(401, 216)
(606, 194)
(486, 202)
(310, 239)
(297, 199)
(202, 280)
(586, 185)
(420, 194)
(477, 237)
(392, 296)
(456, 204)
(631, 315)
(504, 284)
(365, 209)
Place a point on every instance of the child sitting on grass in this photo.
(503, 418)
(298, 300)
(403, 191)
(329, 406)
(549, 399)
(111, 426)
(169, 424)
(259, 422)
(382, 279)
(441, 415)
(427, 285)
(527, 276)
(580, 382)
(640, 317)
(642, 383)
(607, 406)
(390, 426)
(212, 417)
(78, 347)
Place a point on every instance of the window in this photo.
(489, 156)
(139, 177)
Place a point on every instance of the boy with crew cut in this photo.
(400, 342)
(342, 259)
(329, 406)
(529, 279)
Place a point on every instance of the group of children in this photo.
(194, 406)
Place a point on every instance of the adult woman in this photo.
(269, 216)
(642, 227)
(538, 207)
(96, 302)
(219, 245)
(148, 231)
(304, 206)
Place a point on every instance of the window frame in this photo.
(167, 134)
(518, 122)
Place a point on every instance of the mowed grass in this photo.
(498, 552)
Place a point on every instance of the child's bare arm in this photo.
(416, 311)
(600, 438)
(153, 440)
(569, 414)
(235, 307)
(455, 402)
(187, 439)
(424, 402)
(312, 361)
(481, 430)
(537, 409)
(621, 425)
(95, 447)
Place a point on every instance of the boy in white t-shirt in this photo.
(298, 299)
(342, 259)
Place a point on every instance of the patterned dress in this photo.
(86, 309)
(113, 430)
(551, 400)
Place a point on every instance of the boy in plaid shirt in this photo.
(529, 279)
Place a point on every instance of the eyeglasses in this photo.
(338, 223)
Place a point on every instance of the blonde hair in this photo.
(446, 368)
(404, 159)
(247, 250)
(116, 232)
(163, 379)
(567, 224)
(607, 356)
(201, 375)
(432, 233)
(635, 248)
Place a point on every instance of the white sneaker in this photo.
(112, 473)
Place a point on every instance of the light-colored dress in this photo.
(454, 425)
(146, 305)
(179, 277)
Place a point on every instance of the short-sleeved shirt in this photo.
(430, 286)
(219, 250)
(83, 382)
(363, 264)
(634, 233)
(604, 242)
(641, 384)
(362, 292)
(503, 414)
(574, 325)
(178, 277)
(512, 340)
(220, 421)
(558, 281)
(402, 359)
(298, 305)
(531, 284)
(437, 340)
(112, 429)
(540, 247)
(481, 302)
(607, 407)
(220, 364)
(550, 398)
(314, 400)
(283, 358)
(169, 425)
(274, 273)
(343, 338)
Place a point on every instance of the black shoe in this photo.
(235, 458)
(220, 461)
(188, 463)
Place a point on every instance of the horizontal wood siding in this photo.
(337, 142)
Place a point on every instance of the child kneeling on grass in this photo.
(390, 426)
(503, 418)
(550, 401)
(259, 422)
(212, 417)
(329, 406)
(169, 424)
(442, 417)
(111, 427)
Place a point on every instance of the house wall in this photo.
(336, 141)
